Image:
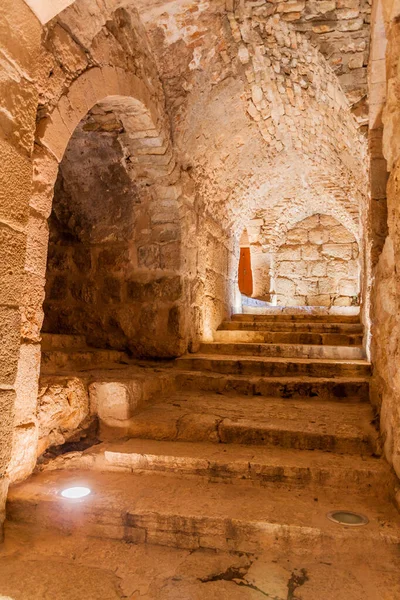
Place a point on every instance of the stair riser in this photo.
(356, 480)
(266, 337)
(62, 342)
(273, 369)
(332, 390)
(232, 432)
(315, 328)
(283, 351)
(177, 531)
(57, 359)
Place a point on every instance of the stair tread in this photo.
(297, 317)
(272, 359)
(156, 499)
(282, 379)
(231, 453)
(319, 417)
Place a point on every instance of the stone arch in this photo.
(152, 164)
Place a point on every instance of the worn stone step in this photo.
(56, 341)
(287, 337)
(193, 513)
(273, 367)
(335, 389)
(301, 424)
(312, 318)
(292, 326)
(283, 350)
(229, 462)
(81, 359)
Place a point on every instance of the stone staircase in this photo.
(265, 431)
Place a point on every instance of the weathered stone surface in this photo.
(63, 406)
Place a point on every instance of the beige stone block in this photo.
(356, 61)
(12, 252)
(10, 333)
(27, 383)
(289, 253)
(319, 235)
(31, 310)
(285, 287)
(318, 269)
(310, 252)
(7, 401)
(342, 301)
(63, 404)
(327, 285)
(67, 50)
(306, 287)
(337, 269)
(341, 235)
(115, 402)
(53, 134)
(45, 170)
(348, 287)
(15, 184)
(36, 245)
(342, 251)
(24, 452)
(296, 236)
(319, 300)
(4, 483)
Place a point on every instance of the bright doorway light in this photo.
(74, 493)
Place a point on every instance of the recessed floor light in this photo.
(74, 493)
(346, 517)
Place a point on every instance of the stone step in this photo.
(312, 318)
(230, 462)
(301, 424)
(193, 513)
(55, 341)
(275, 367)
(283, 350)
(336, 389)
(287, 337)
(88, 358)
(289, 326)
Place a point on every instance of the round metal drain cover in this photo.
(346, 517)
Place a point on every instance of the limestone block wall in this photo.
(385, 298)
(20, 38)
(113, 269)
(317, 265)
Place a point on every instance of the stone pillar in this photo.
(20, 37)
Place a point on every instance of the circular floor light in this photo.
(346, 517)
(75, 493)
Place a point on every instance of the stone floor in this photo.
(46, 566)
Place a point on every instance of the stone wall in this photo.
(113, 270)
(317, 265)
(385, 302)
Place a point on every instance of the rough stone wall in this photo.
(20, 37)
(77, 68)
(110, 270)
(385, 301)
(317, 265)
